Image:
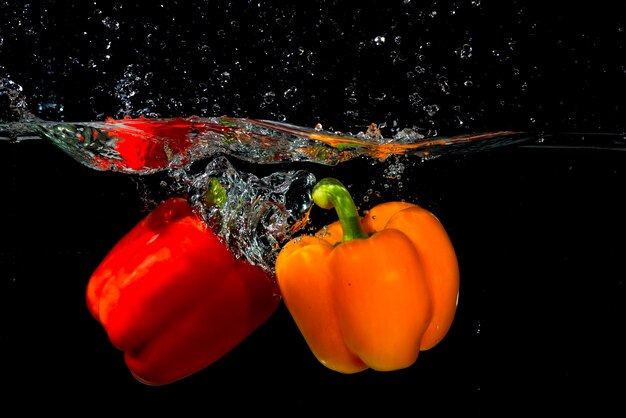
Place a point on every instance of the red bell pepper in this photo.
(173, 297)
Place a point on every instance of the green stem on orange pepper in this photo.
(330, 193)
(376, 302)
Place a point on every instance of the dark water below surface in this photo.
(539, 234)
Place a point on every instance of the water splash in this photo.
(146, 146)
(253, 216)
(16, 108)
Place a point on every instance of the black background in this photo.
(539, 231)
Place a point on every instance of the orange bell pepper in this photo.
(372, 291)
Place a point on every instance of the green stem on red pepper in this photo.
(330, 193)
(215, 194)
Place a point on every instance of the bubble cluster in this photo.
(13, 104)
(256, 215)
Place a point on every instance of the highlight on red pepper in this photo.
(174, 299)
(371, 291)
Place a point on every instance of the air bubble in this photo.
(464, 52)
(431, 110)
(269, 97)
(111, 23)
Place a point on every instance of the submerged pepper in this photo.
(372, 291)
(173, 297)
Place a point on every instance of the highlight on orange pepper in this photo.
(173, 297)
(371, 291)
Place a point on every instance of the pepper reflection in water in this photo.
(145, 146)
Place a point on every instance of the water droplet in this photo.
(290, 92)
(431, 110)
(372, 133)
(269, 97)
(443, 84)
(111, 23)
(512, 44)
(379, 40)
(408, 135)
(464, 51)
(415, 99)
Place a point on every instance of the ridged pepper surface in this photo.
(173, 297)
(371, 291)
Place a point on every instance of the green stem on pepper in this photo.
(215, 194)
(330, 193)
